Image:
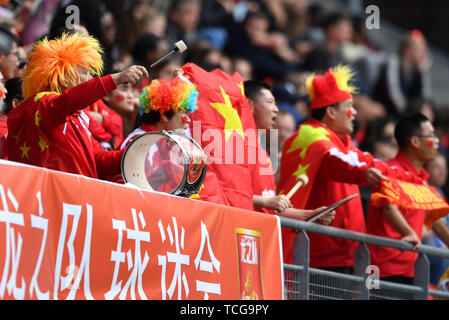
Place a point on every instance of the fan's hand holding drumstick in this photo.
(277, 203)
(130, 75)
(282, 199)
(134, 73)
(304, 214)
(301, 181)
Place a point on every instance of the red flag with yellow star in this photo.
(28, 144)
(224, 126)
(301, 155)
(50, 130)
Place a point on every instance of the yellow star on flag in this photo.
(16, 137)
(301, 170)
(24, 149)
(42, 143)
(242, 87)
(37, 119)
(42, 94)
(232, 118)
(307, 136)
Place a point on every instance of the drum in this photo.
(165, 161)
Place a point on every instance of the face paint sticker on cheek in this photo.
(120, 98)
(430, 143)
(349, 113)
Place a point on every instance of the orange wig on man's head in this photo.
(52, 65)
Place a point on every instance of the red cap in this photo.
(331, 88)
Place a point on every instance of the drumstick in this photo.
(302, 181)
(179, 46)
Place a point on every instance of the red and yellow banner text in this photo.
(411, 196)
(64, 236)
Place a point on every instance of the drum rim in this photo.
(179, 191)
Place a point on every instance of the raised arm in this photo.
(55, 111)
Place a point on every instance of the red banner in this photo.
(411, 196)
(65, 236)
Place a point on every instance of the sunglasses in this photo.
(428, 137)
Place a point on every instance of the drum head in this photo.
(166, 162)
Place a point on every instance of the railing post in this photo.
(361, 262)
(422, 275)
(301, 258)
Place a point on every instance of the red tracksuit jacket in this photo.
(335, 168)
(394, 262)
(110, 132)
(50, 130)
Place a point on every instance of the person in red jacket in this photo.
(105, 124)
(265, 111)
(322, 150)
(49, 129)
(418, 145)
(124, 101)
(11, 97)
(164, 105)
(265, 200)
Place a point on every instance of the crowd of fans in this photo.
(280, 42)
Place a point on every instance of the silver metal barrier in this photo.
(304, 283)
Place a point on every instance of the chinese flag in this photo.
(302, 155)
(224, 126)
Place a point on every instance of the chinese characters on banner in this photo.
(65, 236)
(250, 280)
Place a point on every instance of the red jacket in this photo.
(111, 130)
(51, 131)
(393, 262)
(264, 184)
(335, 168)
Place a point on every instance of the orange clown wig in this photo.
(52, 65)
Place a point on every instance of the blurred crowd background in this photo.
(280, 42)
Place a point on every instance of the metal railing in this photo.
(305, 283)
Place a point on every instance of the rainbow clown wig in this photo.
(52, 64)
(167, 97)
(333, 87)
